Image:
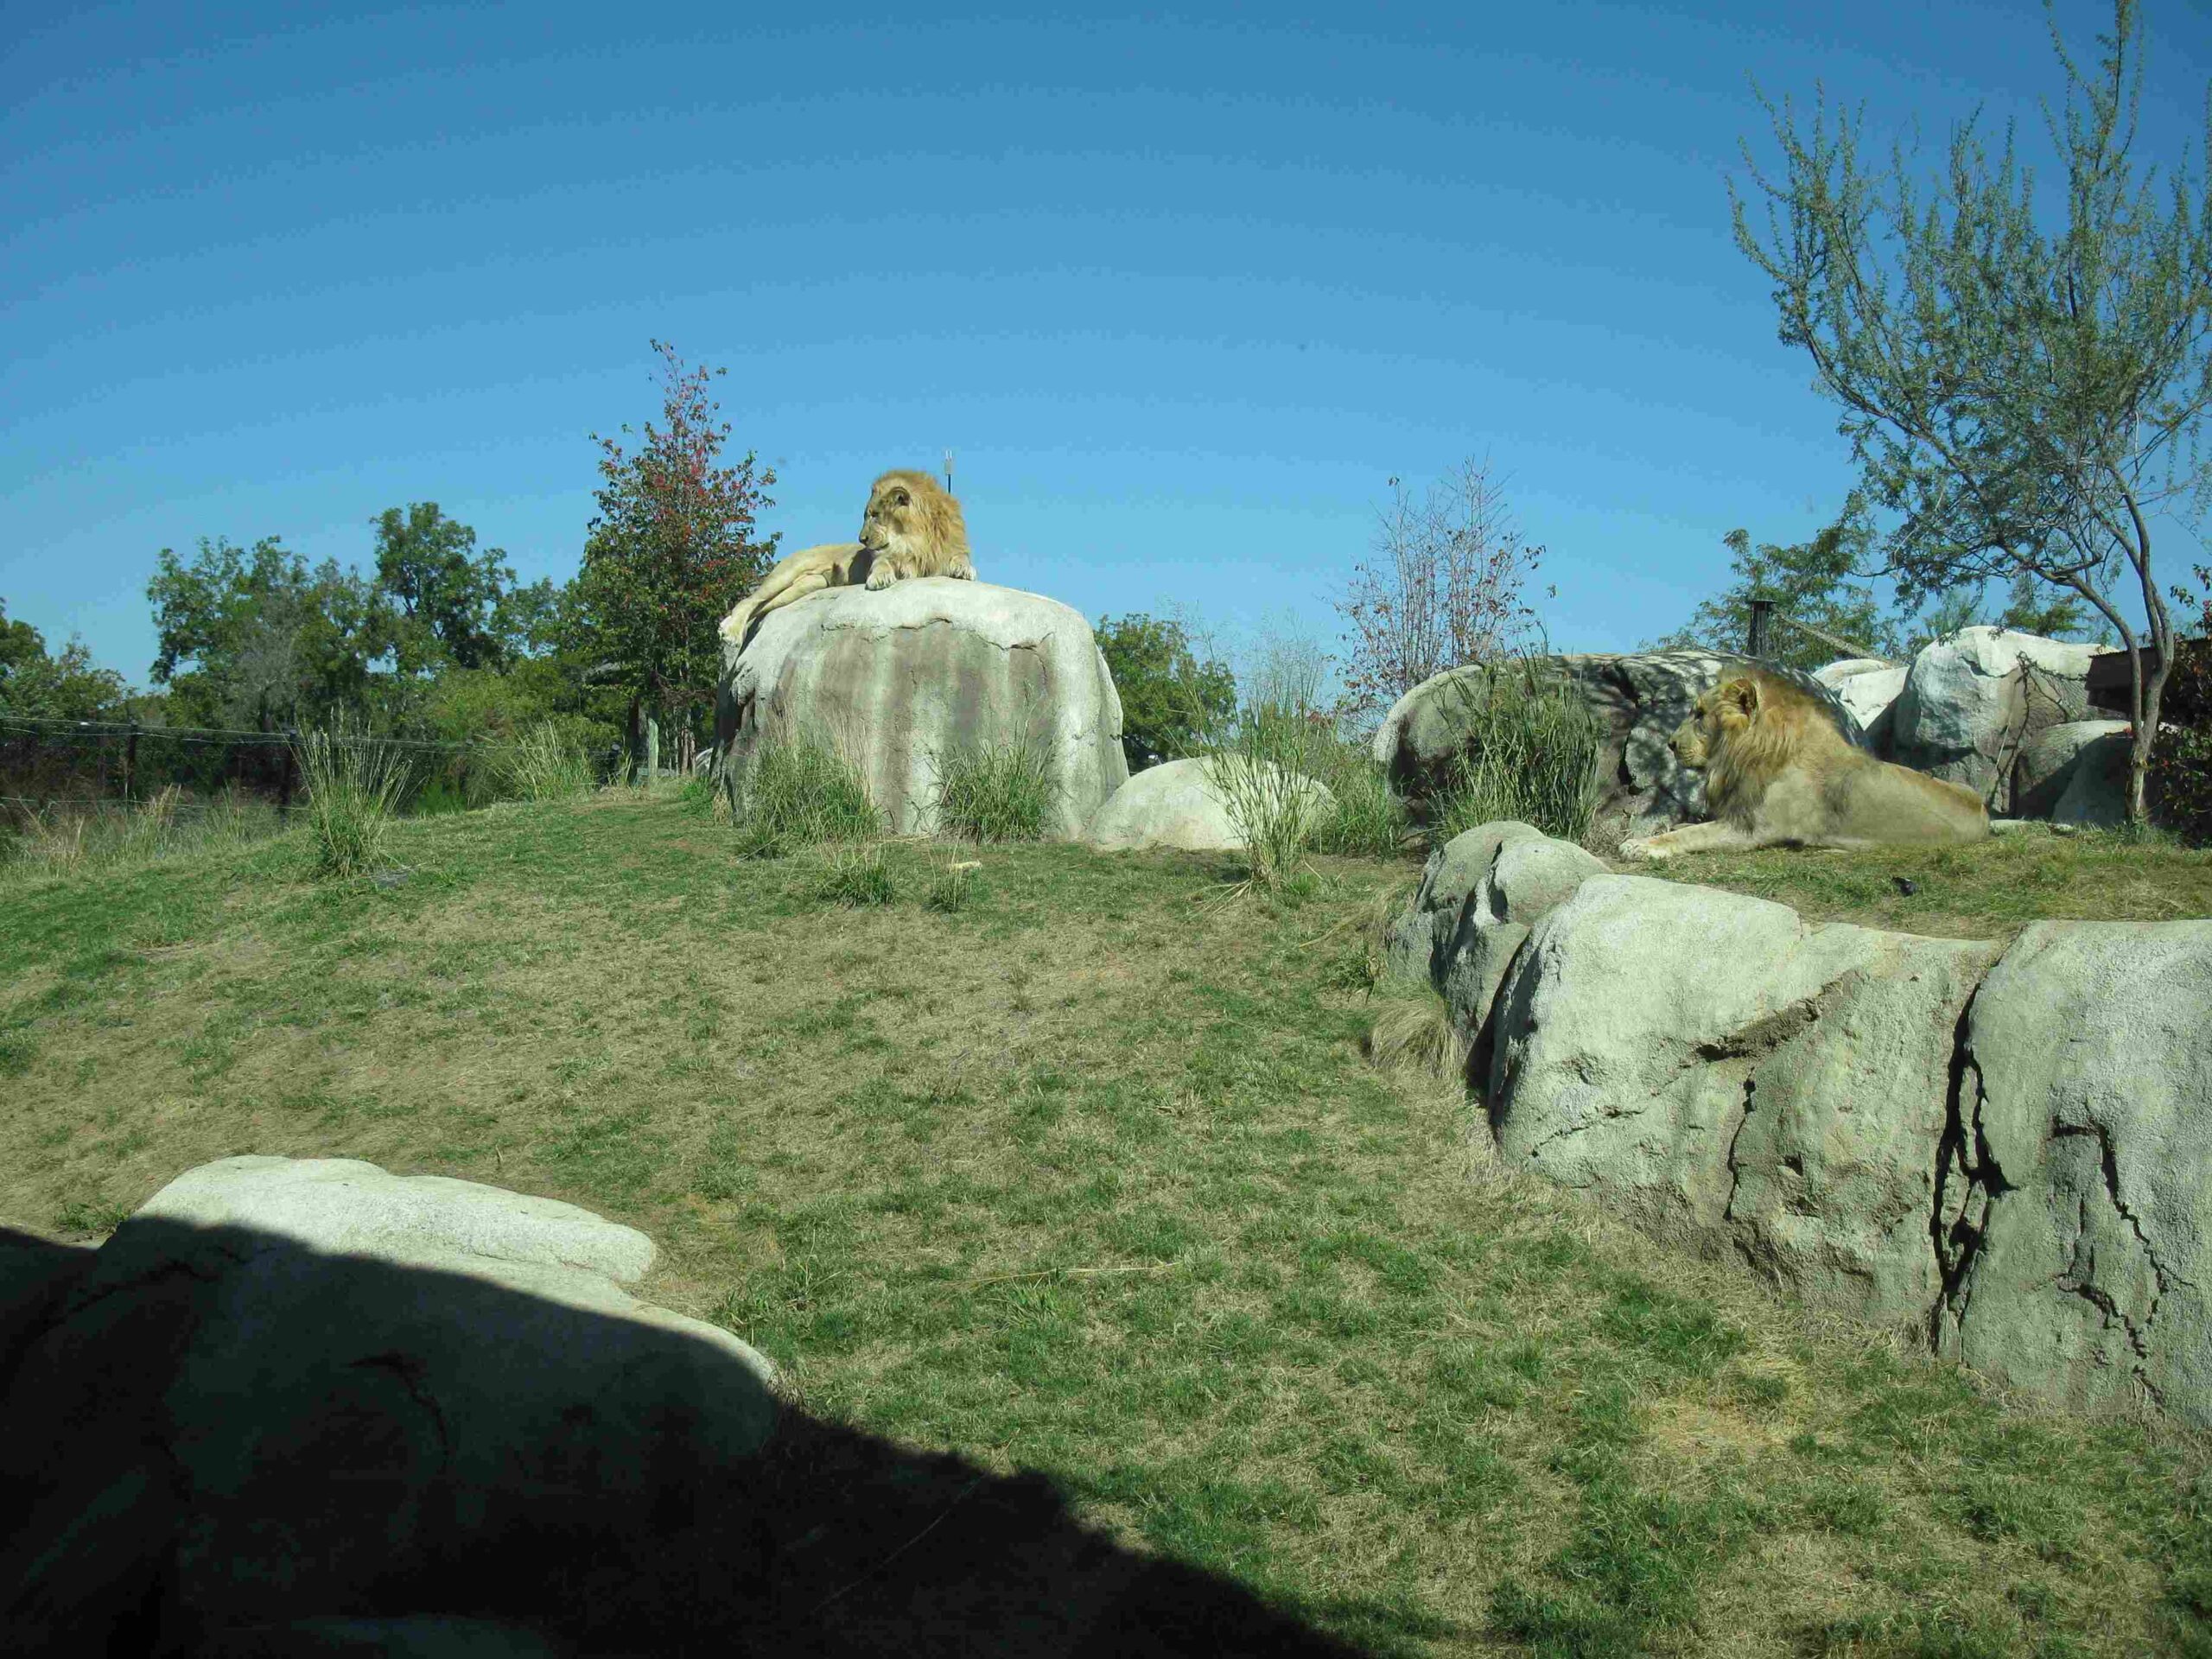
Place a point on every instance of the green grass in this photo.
(1532, 755)
(79, 839)
(1002, 793)
(1988, 890)
(354, 785)
(1087, 1175)
(801, 794)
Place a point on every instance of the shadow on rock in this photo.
(222, 1441)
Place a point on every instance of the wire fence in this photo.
(50, 765)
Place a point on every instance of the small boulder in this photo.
(2047, 763)
(1180, 804)
(1974, 700)
(900, 679)
(2095, 797)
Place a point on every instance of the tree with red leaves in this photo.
(673, 547)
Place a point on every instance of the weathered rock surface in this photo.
(1642, 698)
(902, 678)
(1868, 688)
(285, 1387)
(1732, 1078)
(1180, 804)
(1415, 941)
(1973, 701)
(2095, 795)
(2077, 1195)
(2046, 765)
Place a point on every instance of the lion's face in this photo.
(1722, 710)
(892, 519)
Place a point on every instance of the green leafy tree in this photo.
(672, 547)
(254, 637)
(1170, 698)
(1810, 583)
(447, 597)
(64, 686)
(2023, 402)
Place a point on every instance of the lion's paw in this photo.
(1642, 850)
(878, 579)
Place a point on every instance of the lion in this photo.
(1778, 774)
(911, 527)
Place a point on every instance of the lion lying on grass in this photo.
(911, 528)
(1778, 774)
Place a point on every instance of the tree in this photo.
(446, 596)
(2023, 403)
(671, 548)
(1170, 698)
(1445, 588)
(253, 637)
(65, 686)
(1809, 581)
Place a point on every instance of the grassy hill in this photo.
(1081, 1171)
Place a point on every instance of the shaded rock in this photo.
(2095, 795)
(2077, 1194)
(1733, 1079)
(1180, 804)
(1973, 701)
(314, 1382)
(1416, 941)
(1868, 688)
(900, 679)
(1642, 698)
(2046, 765)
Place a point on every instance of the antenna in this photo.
(948, 472)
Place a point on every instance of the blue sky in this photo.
(1182, 291)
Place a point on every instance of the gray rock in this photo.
(318, 1381)
(1733, 1079)
(1640, 697)
(1415, 943)
(901, 678)
(2077, 1196)
(2046, 765)
(1973, 703)
(1869, 688)
(1180, 804)
(2097, 784)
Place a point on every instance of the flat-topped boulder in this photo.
(901, 680)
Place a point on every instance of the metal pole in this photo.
(130, 759)
(284, 789)
(1761, 609)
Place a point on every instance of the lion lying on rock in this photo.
(1778, 774)
(911, 527)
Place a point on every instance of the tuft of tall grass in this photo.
(858, 876)
(1363, 819)
(543, 764)
(354, 785)
(801, 793)
(1532, 750)
(69, 837)
(999, 792)
(950, 891)
(1257, 769)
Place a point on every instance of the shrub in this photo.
(1000, 793)
(1532, 754)
(353, 783)
(2180, 783)
(858, 877)
(542, 763)
(802, 793)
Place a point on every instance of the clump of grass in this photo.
(1273, 806)
(1362, 819)
(71, 837)
(1532, 749)
(1412, 1032)
(354, 784)
(541, 765)
(999, 793)
(858, 877)
(802, 793)
(950, 890)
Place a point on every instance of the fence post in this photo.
(130, 759)
(1761, 609)
(284, 789)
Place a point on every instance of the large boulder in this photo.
(1869, 688)
(1736, 1080)
(1974, 700)
(288, 1391)
(1640, 697)
(2049, 760)
(903, 679)
(1180, 804)
(2077, 1215)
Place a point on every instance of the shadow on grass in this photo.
(220, 1441)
